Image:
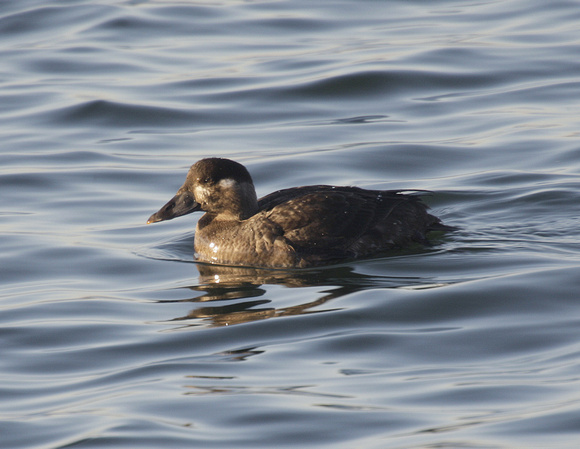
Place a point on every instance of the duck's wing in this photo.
(335, 221)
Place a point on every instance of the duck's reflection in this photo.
(239, 294)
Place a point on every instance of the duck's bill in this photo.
(180, 204)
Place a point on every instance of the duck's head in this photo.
(218, 186)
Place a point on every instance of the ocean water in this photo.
(113, 336)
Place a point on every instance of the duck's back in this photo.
(324, 224)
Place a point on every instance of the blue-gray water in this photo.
(113, 337)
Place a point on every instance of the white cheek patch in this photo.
(200, 194)
(227, 183)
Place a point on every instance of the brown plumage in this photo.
(297, 227)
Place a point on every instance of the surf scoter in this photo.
(292, 228)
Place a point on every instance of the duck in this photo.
(298, 227)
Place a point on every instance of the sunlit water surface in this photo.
(113, 337)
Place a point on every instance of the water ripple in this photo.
(113, 336)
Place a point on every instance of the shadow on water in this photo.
(226, 295)
(240, 295)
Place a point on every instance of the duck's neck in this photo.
(248, 202)
(241, 204)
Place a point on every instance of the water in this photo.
(113, 337)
